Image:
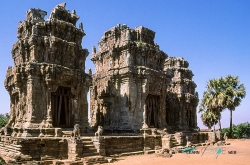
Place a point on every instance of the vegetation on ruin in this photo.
(238, 131)
(4, 118)
(2, 161)
(222, 93)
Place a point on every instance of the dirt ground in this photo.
(239, 149)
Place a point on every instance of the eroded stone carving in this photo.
(136, 85)
(181, 98)
(99, 131)
(47, 85)
(76, 131)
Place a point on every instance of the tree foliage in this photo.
(4, 118)
(212, 102)
(221, 93)
(2, 161)
(234, 93)
(209, 118)
(239, 131)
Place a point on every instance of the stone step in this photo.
(87, 142)
(94, 160)
(88, 145)
(132, 153)
(66, 133)
(87, 154)
(86, 139)
(89, 149)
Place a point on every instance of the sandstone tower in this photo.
(133, 83)
(181, 98)
(47, 85)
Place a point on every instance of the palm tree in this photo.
(213, 99)
(234, 92)
(209, 118)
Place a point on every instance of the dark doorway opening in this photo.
(152, 109)
(61, 102)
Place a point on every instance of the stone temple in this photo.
(141, 100)
(47, 85)
(136, 85)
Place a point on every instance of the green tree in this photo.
(2, 161)
(212, 100)
(234, 92)
(238, 131)
(222, 93)
(4, 118)
(209, 118)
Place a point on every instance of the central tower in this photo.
(129, 86)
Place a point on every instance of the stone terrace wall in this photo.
(27, 149)
(123, 144)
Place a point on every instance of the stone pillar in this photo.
(144, 126)
(75, 148)
(49, 117)
(166, 141)
(31, 101)
(99, 143)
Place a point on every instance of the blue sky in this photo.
(214, 36)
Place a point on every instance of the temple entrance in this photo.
(61, 102)
(152, 109)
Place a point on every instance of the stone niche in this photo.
(48, 85)
(135, 81)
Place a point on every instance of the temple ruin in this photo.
(47, 85)
(141, 100)
(137, 86)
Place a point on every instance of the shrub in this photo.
(4, 118)
(239, 131)
(2, 161)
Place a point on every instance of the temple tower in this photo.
(129, 85)
(48, 85)
(137, 86)
(181, 99)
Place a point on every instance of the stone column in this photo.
(144, 126)
(49, 118)
(31, 101)
(144, 93)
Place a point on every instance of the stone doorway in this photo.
(152, 109)
(61, 102)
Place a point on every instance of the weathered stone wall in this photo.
(181, 98)
(151, 142)
(199, 137)
(136, 85)
(125, 144)
(119, 144)
(26, 149)
(129, 67)
(47, 85)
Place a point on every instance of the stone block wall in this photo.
(121, 144)
(151, 142)
(125, 144)
(26, 149)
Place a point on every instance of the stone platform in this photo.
(69, 150)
